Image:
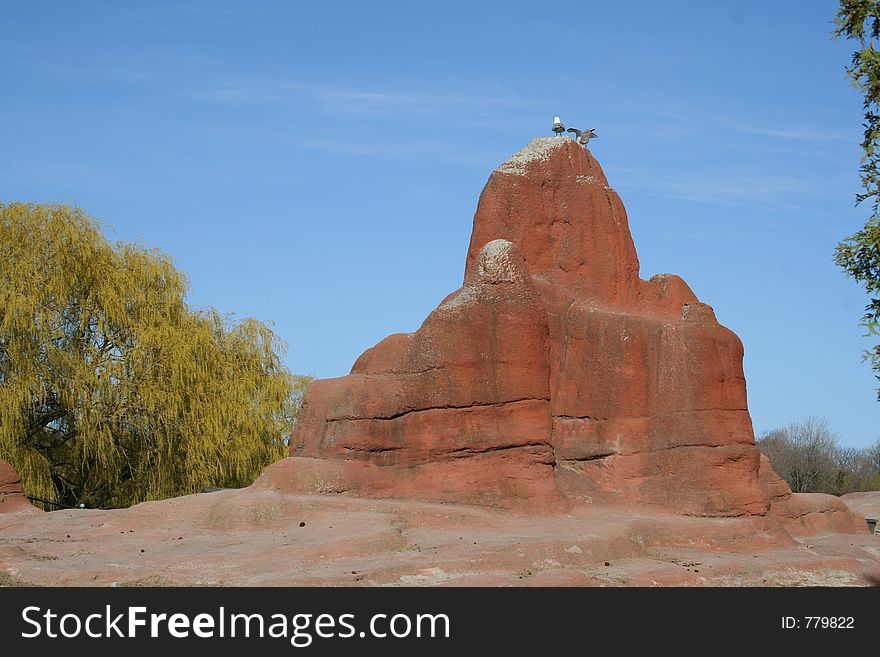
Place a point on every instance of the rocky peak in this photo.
(553, 202)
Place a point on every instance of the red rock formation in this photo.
(459, 410)
(12, 499)
(554, 373)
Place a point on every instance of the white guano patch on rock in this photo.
(536, 150)
(464, 297)
(496, 262)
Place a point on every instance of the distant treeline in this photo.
(808, 455)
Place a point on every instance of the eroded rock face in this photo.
(553, 374)
(458, 410)
(12, 499)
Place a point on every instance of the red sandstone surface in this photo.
(865, 504)
(253, 537)
(12, 499)
(555, 421)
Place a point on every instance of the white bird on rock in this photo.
(558, 128)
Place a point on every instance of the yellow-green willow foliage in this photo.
(112, 389)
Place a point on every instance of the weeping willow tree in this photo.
(112, 389)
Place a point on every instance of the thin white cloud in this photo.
(425, 150)
(347, 147)
(670, 119)
(801, 134)
(244, 92)
(367, 101)
(728, 187)
(350, 100)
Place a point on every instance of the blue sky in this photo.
(318, 164)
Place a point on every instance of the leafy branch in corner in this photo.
(859, 254)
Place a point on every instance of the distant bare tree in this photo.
(807, 455)
(776, 445)
(873, 456)
(813, 459)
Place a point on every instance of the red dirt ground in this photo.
(257, 537)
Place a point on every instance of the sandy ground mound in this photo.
(265, 537)
(865, 504)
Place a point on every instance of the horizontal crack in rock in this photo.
(467, 451)
(591, 457)
(437, 408)
(371, 450)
